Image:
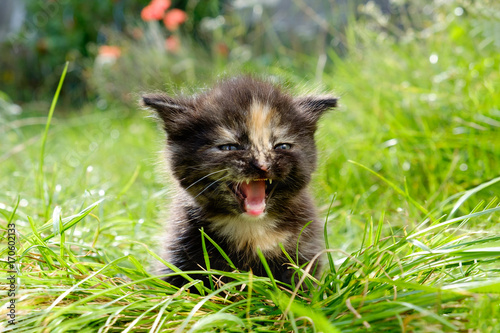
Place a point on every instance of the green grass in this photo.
(408, 177)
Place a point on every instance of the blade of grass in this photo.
(172, 267)
(469, 193)
(130, 182)
(221, 251)
(205, 323)
(298, 241)
(142, 315)
(428, 313)
(379, 228)
(321, 323)
(67, 222)
(457, 219)
(159, 315)
(325, 236)
(266, 268)
(198, 306)
(46, 131)
(391, 184)
(42, 246)
(207, 258)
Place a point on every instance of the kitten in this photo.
(242, 155)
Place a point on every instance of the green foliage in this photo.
(55, 32)
(435, 124)
(408, 180)
(70, 30)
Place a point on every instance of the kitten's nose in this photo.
(261, 165)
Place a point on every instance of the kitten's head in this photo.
(244, 147)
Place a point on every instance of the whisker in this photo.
(206, 188)
(272, 191)
(212, 173)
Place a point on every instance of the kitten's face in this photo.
(242, 148)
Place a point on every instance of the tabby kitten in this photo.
(242, 155)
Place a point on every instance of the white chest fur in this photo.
(247, 233)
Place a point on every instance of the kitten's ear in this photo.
(315, 106)
(168, 109)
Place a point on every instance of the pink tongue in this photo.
(255, 196)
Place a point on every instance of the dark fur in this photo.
(192, 126)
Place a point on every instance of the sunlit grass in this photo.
(408, 177)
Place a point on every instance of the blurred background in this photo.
(120, 47)
(117, 47)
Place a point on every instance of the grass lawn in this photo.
(408, 183)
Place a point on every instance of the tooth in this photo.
(248, 181)
(270, 181)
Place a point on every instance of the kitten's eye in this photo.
(230, 147)
(283, 146)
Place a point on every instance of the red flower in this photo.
(148, 14)
(173, 44)
(155, 10)
(109, 51)
(174, 18)
(222, 49)
(161, 5)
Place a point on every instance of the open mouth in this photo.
(252, 195)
